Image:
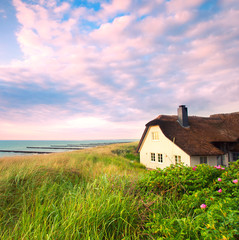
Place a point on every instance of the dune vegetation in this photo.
(105, 193)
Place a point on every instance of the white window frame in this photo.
(153, 157)
(155, 136)
(177, 159)
(160, 158)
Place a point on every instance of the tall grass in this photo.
(57, 208)
(78, 195)
(104, 193)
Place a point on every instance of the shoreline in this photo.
(53, 147)
(30, 152)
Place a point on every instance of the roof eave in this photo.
(142, 139)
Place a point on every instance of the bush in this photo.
(179, 179)
(199, 203)
(128, 152)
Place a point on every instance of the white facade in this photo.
(157, 151)
(211, 160)
(161, 146)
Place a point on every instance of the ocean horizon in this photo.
(30, 147)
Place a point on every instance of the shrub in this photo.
(179, 179)
(194, 204)
(128, 152)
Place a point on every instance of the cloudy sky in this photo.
(89, 69)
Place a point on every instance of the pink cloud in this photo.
(25, 14)
(146, 8)
(62, 8)
(153, 26)
(181, 5)
(204, 48)
(181, 17)
(229, 3)
(49, 123)
(115, 6)
(112, 70)
(110, 32)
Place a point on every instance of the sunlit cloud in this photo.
(106, 65)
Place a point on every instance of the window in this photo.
(235, 156)
(203, 160)
(160, 158)
(155, 136)
(221, 160)
(153, 157)
(177, 159)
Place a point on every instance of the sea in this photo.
(30, 147)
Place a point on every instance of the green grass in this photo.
(61, 209)
(88, 194)
(105, 193)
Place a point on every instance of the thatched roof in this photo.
(203, 134)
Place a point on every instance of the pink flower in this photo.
(223, 168)
(235, 181)
(219, 179)
(194, 168)
(203, 206)
(220, 190)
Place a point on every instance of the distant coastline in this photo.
(29, 147)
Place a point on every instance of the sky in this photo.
(89, 69)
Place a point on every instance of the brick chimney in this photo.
(183, 116)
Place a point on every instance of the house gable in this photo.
(162, 148)
(216, 136)
(203, 135)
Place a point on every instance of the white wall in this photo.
(163, 146)
(226, 160)
(211, 160)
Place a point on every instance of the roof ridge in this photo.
(224, 114)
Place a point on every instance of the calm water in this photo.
(50, 146)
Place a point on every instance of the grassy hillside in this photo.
(87, 194)
(104, 193)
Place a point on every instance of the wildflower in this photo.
(223, 168)
(203, 206)
(235, 181)
(220, 190)
(219, 179)
(194, 168)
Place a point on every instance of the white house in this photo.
(192, 140)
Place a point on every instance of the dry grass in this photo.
(95, 161)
